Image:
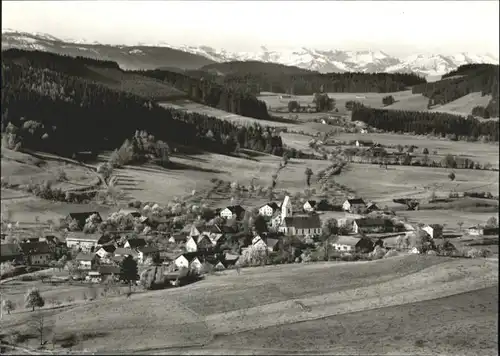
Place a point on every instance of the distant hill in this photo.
(252, 67)
(467, 79)
(128, 57)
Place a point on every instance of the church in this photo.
(295, 225)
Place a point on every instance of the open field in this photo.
(191, 106)
(276, 305)
(380, 184)
(449, 218)
(405, 100)
(477, 151)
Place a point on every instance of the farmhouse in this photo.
(188, 260)
(81, 218)
(106, 252)
(475, 230)
(353, 205)
(87, 261)
(353, 244)
(11, 253)
(145, 252)
(435, 231)
(372, 225)
(124, 252)
(234, 211)
(258, 243)
(372, 207)
(84, 241)
(301, 225)
(135, 243)
(309, 206)
(37, 253)
(268, 209)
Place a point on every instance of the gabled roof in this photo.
(83, 236)
(81, 217)
(312, 203)
(148, 249)
(109, 269)
(272, 205)
(85, 256)
(356, 201)
(124, 251)
(10, 250)
(136, 242)
(109, 248)
(373, 222)
(435, 226)
(194, 231)
(190, 256)
(347, 240)
(236, 209)
(303, 222)
(179, 237)
(35, 248)
(272, 242)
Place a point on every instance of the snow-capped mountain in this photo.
(306, 58)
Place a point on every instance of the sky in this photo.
(396, 27)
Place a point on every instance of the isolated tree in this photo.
(293, 106)
(460, 224)
(451, 176)
(449, 161)
(128, 271)
(40, 325)
(492, 222)
(425, 151)
(400, 148)
(388, 100)
(8, 305)
(330, 227)
(308, 173)
(33, 299)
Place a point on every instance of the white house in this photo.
(234, 211)
(351, 205)
(191, 245)
(309, 206)
(86, 261)
(258, 243)
(85, 241)
(268, 209)
(135, 243)
(219, 266)
(475, 231)
(106, 252)
(346, 243)
(434, 230)
(37, 253)
(188, 260)
(301, 225)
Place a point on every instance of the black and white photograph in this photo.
(249, 178)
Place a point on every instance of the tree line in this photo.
(422, 123)
(57, 112)
(208, 92)
(465, 80)
(311, 83)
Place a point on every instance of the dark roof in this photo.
(179, 237)
(273, 205)
(311, 202)
(124, 251)
(190, 255)
(109, 248)
(136, 242)
(436, 226)
(373, 222)
(303, 222)
(10, 250)
(85, 256)
(236, 209)
(148, 249)
(272, 242)
(356, 201)
(53, 239)
(109, 269)
(81, 217)
(35, 248)
(347, 240)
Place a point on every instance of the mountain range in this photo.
(150, 56)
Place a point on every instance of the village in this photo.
(92, 249)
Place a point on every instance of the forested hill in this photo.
(465, 80)
(60, 110)
(259, 76)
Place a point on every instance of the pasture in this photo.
(382, 185)
(272, 308)
(190, 106)
(476, 151)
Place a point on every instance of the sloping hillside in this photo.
(128, 57)
(247, 67)
(465, 104)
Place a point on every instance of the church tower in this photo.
(286, 208)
